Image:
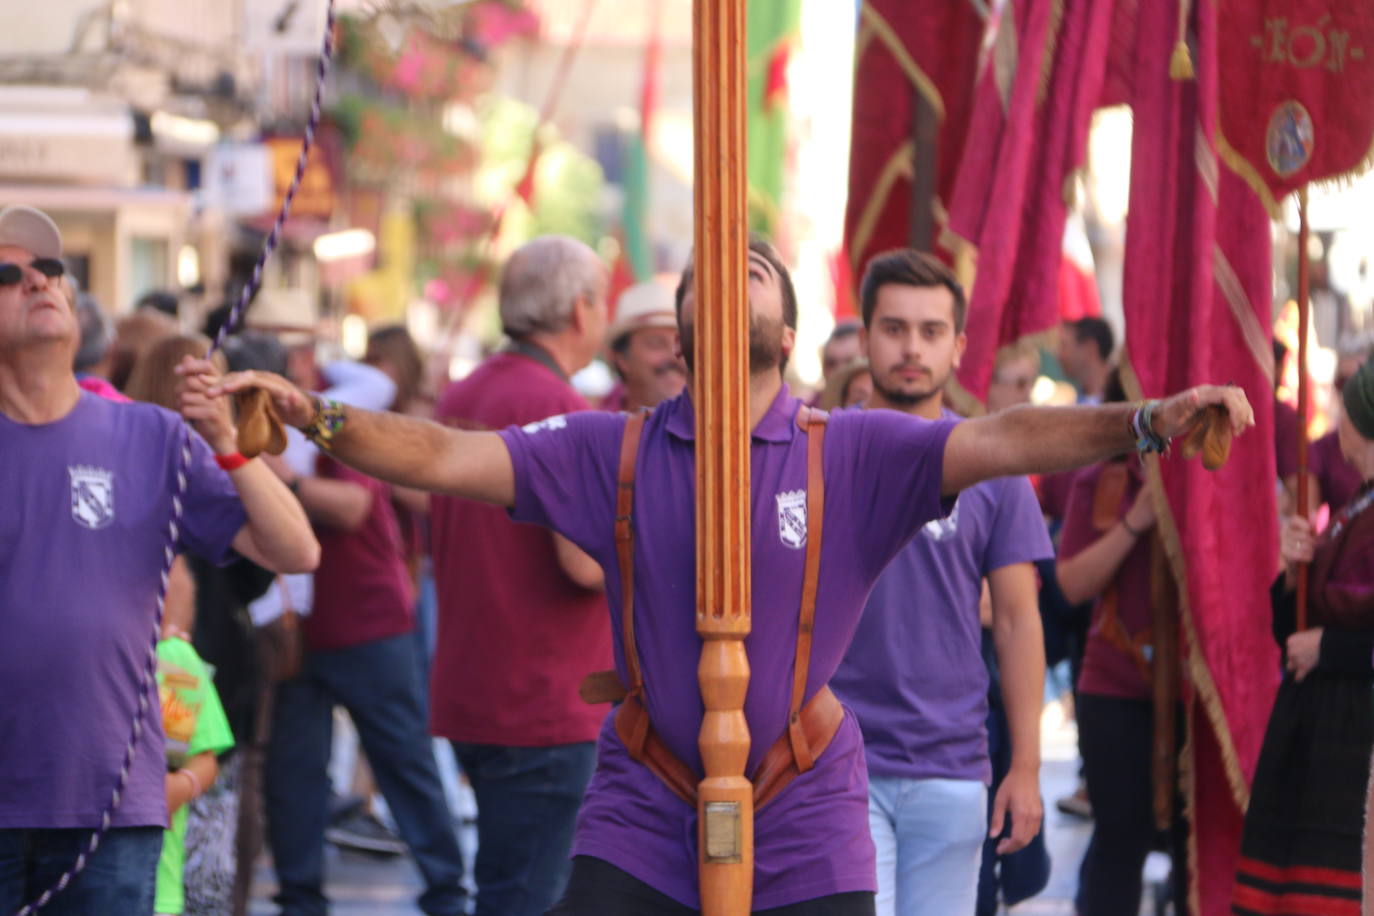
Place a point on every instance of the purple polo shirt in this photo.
(86, 501)
(882, 483)
(914, 674)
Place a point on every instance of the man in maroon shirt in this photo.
(361, 652)
(521, 615)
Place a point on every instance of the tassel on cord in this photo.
(1181, 62)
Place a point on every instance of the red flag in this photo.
(1033, 105)
(1297, 91)
(842, 278)
(904, 49)
(775, 90)
(1197, 298)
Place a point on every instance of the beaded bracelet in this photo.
(1142, 430)
(329, 419)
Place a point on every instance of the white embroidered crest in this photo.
(792, 518)
(92, 496)
(942, 529)
(552, 423)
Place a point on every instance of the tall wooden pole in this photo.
(725, 833)
(1303, 394)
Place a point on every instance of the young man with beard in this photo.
(914, 674)
(885, 476)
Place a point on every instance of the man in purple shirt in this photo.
(86, 491)
(914, 674)
(886, 476)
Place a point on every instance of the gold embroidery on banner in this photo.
(1206, 163)
(1233, 291)
(1051, 48)
(861, 43)
(898, 165)
(1305, 46)
(893, 42)
(1004, 57)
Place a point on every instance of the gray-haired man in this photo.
(521, 615)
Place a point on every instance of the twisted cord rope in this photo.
(183, 462)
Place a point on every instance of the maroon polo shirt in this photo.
(516, 635)
(1336, 478)
(1107, 671)
(362, 589)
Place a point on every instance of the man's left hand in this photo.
(1177, 415)
(209, 415)
(1018, 798)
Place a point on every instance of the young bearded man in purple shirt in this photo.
(886, 475)
(86, 490)
(914, 674)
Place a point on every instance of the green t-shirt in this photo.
(194, 722)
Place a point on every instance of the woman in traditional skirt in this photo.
(1301, 852)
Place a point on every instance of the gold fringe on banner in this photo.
(1195, 663)
(1251, 176)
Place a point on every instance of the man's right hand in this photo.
(1297, 541)
(1177, 415)
(294, 406)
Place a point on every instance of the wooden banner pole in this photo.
(1304, 509)
(725, 833)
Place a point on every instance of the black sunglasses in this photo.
(11, 273)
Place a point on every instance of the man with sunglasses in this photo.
(85, 501)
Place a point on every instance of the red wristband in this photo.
(231, 462)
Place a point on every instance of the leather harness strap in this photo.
(625, 543)
(812, 423)
(810, 727)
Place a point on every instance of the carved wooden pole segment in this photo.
(725, 831)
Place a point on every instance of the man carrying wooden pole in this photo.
(685, 812)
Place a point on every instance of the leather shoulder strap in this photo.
(813, 422)
(625, 543)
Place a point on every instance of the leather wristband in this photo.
(231, 462)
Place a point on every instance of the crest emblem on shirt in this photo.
(92, 496)
(552, 423)
(942, 529)
(792, 518)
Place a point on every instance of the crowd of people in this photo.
(477, 562)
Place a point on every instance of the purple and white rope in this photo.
(183, 462)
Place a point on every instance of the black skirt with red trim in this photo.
(1301, 851)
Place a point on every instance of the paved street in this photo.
(363, 884)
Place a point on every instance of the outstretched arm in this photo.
(1038, 440)
(401, 450)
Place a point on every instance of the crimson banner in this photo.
(1296, 91)
(905, 52)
